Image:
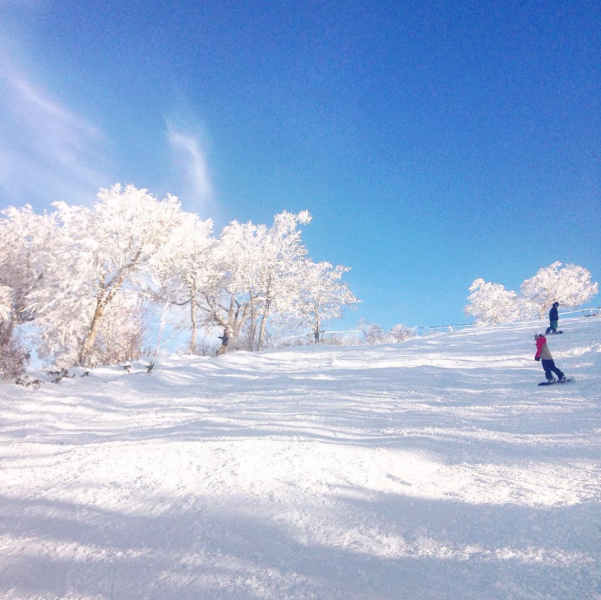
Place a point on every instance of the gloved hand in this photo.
(537, 358)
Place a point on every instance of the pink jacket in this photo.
(542, 350)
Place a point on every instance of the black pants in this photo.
(548, 366)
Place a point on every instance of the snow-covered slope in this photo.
(433, 469)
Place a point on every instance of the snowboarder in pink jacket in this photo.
(543, 353)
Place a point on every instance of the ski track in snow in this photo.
(432, 469)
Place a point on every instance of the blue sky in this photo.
(433, 142)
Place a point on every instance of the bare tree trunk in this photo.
(316, 323)
(231, 313)
(88, 343)
(108, 292)
(194, 324)
(193, 319)
(264, 323)
(253, 325)
(317, 327)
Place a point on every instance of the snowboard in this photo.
(554, 382)
(554, 332)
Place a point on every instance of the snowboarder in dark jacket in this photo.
(553, 319)
(543, 353)
(225, 340)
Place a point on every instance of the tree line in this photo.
(87, 286)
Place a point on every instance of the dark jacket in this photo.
(225, 338)
(553, 316)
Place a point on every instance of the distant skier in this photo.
(553, 319)
(225, 340)
(543, 353)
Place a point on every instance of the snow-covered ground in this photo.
(433, 469)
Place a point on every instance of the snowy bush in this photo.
(351, 339)
(372, 333)
(401, 333)
(297, 341)
(205, 347)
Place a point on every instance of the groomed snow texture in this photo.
(433, 469)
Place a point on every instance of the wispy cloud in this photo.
(47, 152)
(190, 158)
(50, 152)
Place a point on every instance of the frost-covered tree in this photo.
(321, 294)
(12, 354)
(281, 265)
(26, 243)
(233, 280)
(185, 270)
(255, 272)
(569, 285)
(490, 303)
(101, 251)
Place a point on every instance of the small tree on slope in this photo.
(491, 303)
(281, 264)
(321, 294)
(183, 272)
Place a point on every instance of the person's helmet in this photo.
(555, 303)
